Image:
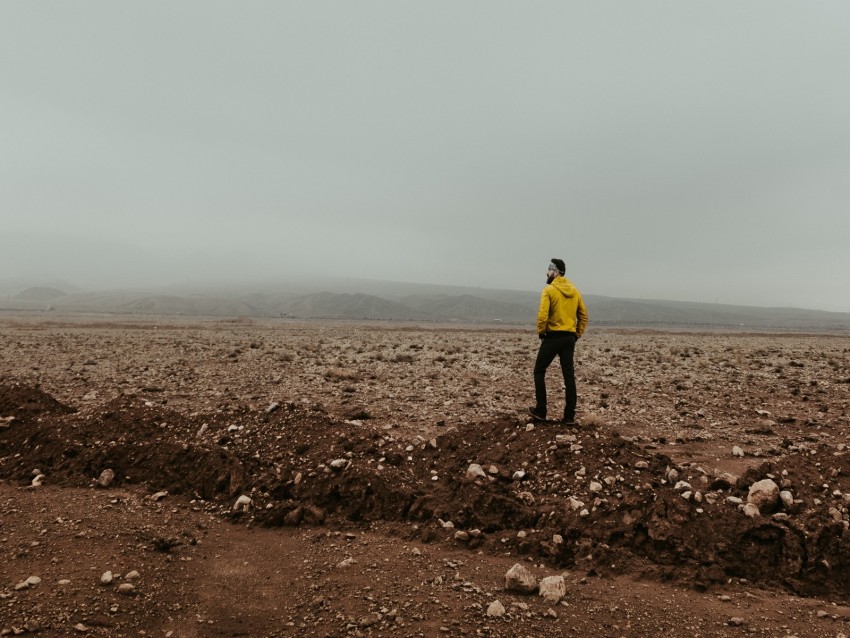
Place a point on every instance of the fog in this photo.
(689, 151)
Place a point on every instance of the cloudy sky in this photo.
(677, 150)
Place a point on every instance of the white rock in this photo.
(518, 475)
(38, 480)
(32, 581)
(158, 496)
(339, 464)
(243, 504)
(519, 579)
(553, 588)
(461, 536)
(126, 588)
(737, 451)
(475, 471)
(787, 498)
(106, 477)
(348, 562)
(575, 504)
(274, 406)
(496, 609)
(132, 575)
(595, 487)
(682, 485)
(764, 494)
(751, 510)
(106, 578)
(642, 465)
(529, 427)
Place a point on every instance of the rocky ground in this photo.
(231, 478)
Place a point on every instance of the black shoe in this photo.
(537, 415)
(573, 423)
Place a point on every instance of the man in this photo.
(561, 320)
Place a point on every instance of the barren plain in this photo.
(279, 478)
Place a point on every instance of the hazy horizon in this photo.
(679, 151)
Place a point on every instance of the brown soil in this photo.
(355, 442)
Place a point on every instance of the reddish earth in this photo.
(355, 442)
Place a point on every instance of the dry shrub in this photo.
(593, 420)
(341, 374)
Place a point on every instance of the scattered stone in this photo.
(737, 451)
(243, 504)
(751, 510)
(38, 480)
(576, 504)
(274, 406)
(158, 496)
(475, 471)
(106, 477)
(348, 562)
(764, 495)
(126, 588)
(461, 536)
(339, 464)
(519, 579)
(736, 621)
(33, 581)
(496, 609)
(106, 578)
(132, 575)
(553, 589)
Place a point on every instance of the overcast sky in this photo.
(676, 150)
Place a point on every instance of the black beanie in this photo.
(560, 264)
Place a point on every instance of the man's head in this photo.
(556, 269)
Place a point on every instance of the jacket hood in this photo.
(564, 286)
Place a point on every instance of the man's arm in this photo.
(543, 313)
(581, 317)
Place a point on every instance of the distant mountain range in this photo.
(388, 301)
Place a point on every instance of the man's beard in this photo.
(550, 278)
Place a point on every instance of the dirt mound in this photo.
(580, 498)
(27, 403)
(133, 438)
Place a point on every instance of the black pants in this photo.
(563, 346)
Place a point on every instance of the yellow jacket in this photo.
(561, 308)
